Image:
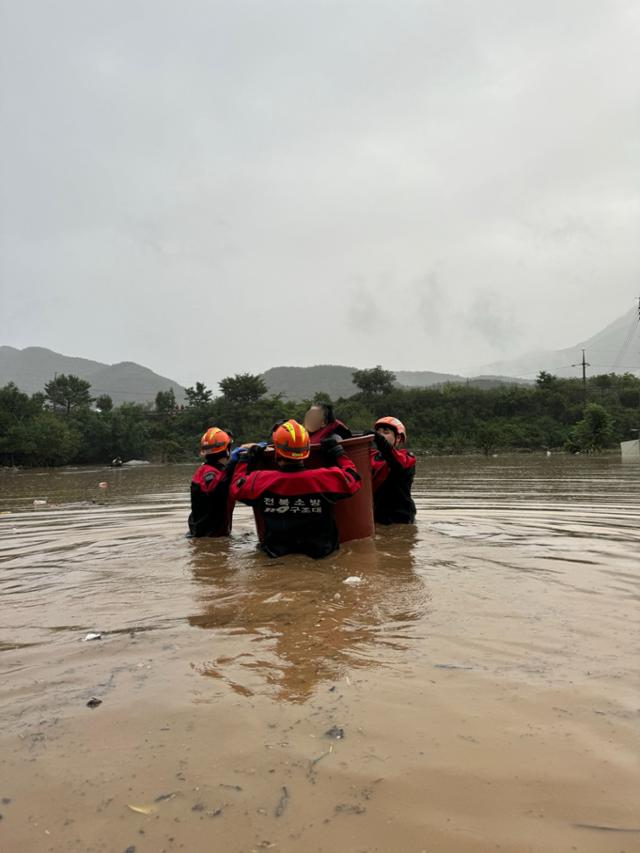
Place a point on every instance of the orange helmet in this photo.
(291, 440)
(396, 425)
(214, 441)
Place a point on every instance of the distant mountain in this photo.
(301, 383)
(30, 368)
(427, 379)
(615, 349)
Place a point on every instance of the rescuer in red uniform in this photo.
(295, 504)
(211, 502)
(392, 472)
(320, 422)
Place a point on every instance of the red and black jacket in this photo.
(295, 506)
(334, 428)
(392, 472)
(211, 501)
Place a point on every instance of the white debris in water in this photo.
(274, 599)
(39, 502)
(352, 580)
(92, 636)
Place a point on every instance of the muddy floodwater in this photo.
(477, 690)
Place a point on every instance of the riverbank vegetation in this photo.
(65, 424)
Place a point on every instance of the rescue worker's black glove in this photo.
(332, 447)
(381, 443)
(252, 455)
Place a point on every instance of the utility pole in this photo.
(584, 364)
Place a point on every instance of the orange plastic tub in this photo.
(354, 515)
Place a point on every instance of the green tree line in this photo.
(65, 424)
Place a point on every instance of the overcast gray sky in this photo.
(213, 187)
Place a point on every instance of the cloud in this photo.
(493, 317)
(218, 171)
(431, 303)
(364, 314)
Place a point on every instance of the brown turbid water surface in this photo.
(477, 690)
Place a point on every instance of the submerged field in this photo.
(476, 691)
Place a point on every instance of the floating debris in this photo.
(92, 636)
(94, 702)
(604, 828)
(450, 666)
(350, 808)
(282, 802)
(39, 503)
(311, 770)
(163, 797)
(352, 580)
(142, 809)
(335, 732)
(200, 807)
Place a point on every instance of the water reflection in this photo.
(506, 532)
(305, 625)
